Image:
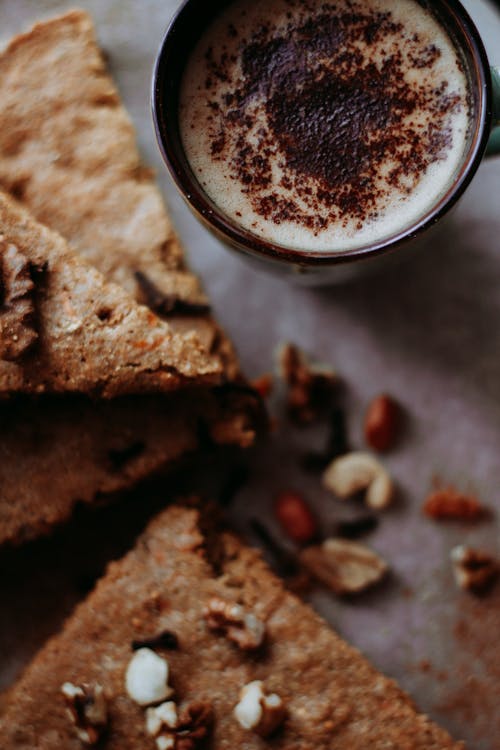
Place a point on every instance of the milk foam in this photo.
(397, 208)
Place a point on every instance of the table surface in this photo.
(426, 332)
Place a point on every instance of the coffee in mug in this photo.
(325, 126)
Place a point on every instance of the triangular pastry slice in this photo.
(183, 643)
(63, 328)
(68, 152)
(57, 452)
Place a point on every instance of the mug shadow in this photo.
(438, 310)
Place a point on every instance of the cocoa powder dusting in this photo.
(338, 119)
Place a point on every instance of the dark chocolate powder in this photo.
(334, 115)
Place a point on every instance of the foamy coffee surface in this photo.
(324, 126)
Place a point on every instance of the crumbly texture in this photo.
(55, 453)
(93, 337)
(65, 133)
(334, 698)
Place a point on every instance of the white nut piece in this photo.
(358, 471)
(240, 626)
(146, 679)
(87, 708)
(257, 711)
(163, 716)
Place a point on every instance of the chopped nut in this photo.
(474, 569)
(310, 387)
(295, 517)
(447, 504)
(87, 708)
(17, 311)
(185, 732)
(146, 678)
(358, 471)
(243, 628)
(382, 423)
(345, 567)
(258, 712)
(164, 715)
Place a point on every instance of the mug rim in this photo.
(247, 242)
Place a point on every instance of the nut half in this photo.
(358, 471)
(345, 567)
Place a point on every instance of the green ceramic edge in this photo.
(494, 142)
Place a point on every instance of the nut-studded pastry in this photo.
(306, 689)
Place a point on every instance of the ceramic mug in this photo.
(320, 267)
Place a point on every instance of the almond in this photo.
(296, 517)
(382, 422)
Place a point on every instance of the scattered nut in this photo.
(345, 567)
(146, 678)
(310, 387)
(87, 708)
(382, 422)
(447, 504)
(243, 628)
(474, 569)
(295, 517)
(263, 385)
(259, 712)
(357, 471)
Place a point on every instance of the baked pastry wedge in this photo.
(68, 152)
(63, 328)
(56, 452)
(191, 639)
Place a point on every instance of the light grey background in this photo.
(426, 332)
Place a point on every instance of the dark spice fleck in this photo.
(167, 304)
(166, 639)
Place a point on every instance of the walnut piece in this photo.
(241, 627)
(259, 712)
(87, 708)
(17, 311)
(345, 567)
(474, 569)
(447, 504)
(186, 731)
(146, 679)
(310, 387)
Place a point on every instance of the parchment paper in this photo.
(426, 332)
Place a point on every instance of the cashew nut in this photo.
(357, 471)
